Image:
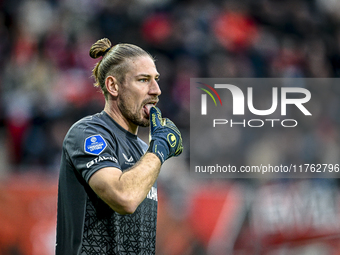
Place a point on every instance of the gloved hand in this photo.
(165, 138)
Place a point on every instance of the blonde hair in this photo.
(114, 61)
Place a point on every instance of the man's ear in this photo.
(111, 85)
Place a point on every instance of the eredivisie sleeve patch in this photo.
(94, 144)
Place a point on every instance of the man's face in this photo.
(139, 92)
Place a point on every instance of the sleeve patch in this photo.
(94, 144)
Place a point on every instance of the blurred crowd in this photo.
(45, 68)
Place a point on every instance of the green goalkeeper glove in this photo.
(165, 138)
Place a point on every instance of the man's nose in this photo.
(155, 89)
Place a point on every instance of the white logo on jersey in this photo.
(99, 159)
(128, 159)
(152, 194)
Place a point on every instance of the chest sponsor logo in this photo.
(94, 144)
(128, 159)
(152, 194)
(99, 159)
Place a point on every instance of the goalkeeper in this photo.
(107, 195)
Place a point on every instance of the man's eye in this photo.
(143, 80)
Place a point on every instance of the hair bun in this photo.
(99, 48)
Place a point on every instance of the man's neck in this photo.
(116, 115)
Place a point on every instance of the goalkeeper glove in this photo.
(165, 138)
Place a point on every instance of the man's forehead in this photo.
(142, 66)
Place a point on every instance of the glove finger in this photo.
(179, 147)
(155, 118)
(169, 122)
(172, 126)
(179, 151)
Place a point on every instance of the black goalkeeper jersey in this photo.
(85, 224)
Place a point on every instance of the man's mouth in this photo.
(148, 106)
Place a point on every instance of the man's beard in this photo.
(133, 117)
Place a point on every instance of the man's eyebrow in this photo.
(147, 75)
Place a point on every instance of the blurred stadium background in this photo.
(45, 86)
